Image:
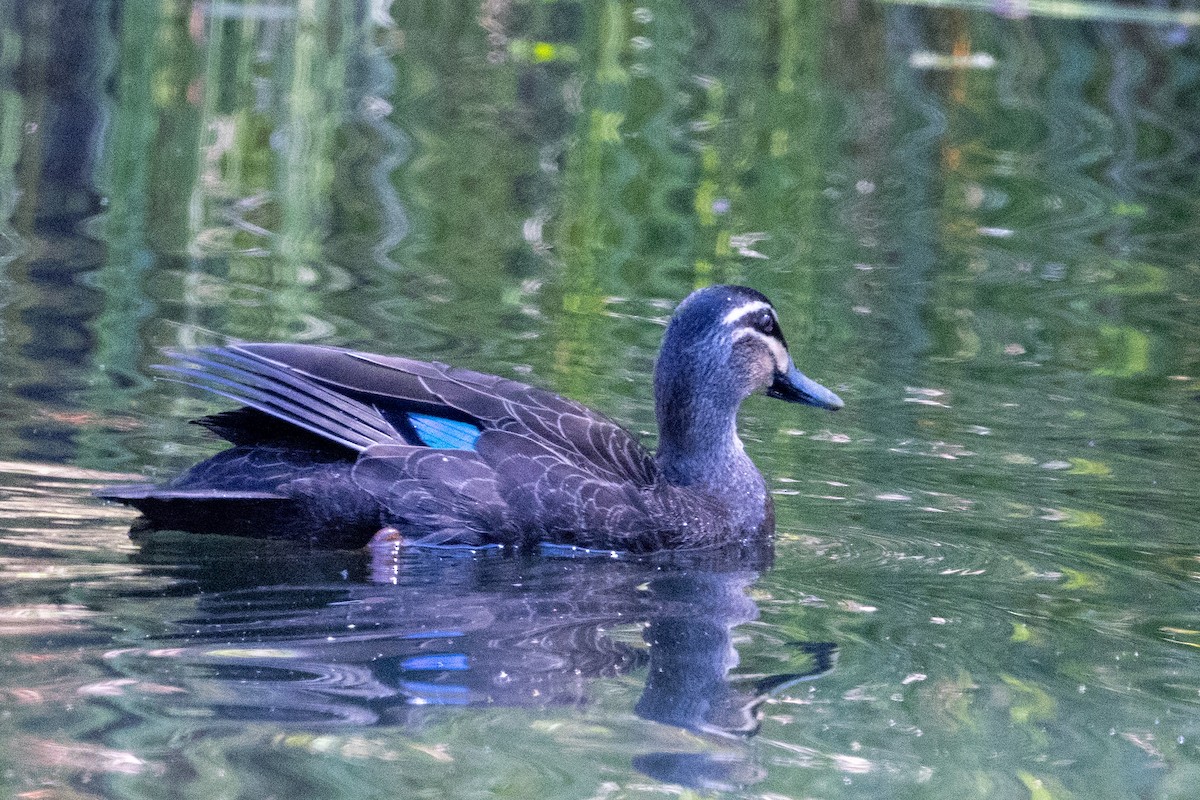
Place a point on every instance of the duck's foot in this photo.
(385, 548)
(388, 537)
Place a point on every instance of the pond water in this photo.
(980, 223)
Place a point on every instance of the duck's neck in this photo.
(698, 442)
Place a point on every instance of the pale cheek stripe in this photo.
(738, 312)
(778, 351)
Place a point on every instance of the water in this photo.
(980, 229)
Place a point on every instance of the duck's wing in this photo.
(360, 400)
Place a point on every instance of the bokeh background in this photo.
(980, 222)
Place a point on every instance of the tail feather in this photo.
(135, 493)
(237, 512)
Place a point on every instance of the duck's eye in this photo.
(765, 322)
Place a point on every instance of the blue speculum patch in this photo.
(444, 434)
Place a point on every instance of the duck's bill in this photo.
(796, 387)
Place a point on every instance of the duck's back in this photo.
(333, 444)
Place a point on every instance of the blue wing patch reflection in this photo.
(441, 661)
(435, 694)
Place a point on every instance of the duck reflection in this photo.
(432, 629)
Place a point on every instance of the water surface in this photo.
(979, 225)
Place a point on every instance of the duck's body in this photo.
(334, 445)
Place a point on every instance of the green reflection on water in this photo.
(981, 230)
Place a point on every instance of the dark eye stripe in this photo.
(762, 321)
(752, 320)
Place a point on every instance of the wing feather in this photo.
(391, 385)
(274, 390)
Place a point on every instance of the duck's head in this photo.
(725, 342)
(722, 345)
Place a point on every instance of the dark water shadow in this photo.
(319, 640)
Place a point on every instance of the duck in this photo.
(336, 447)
